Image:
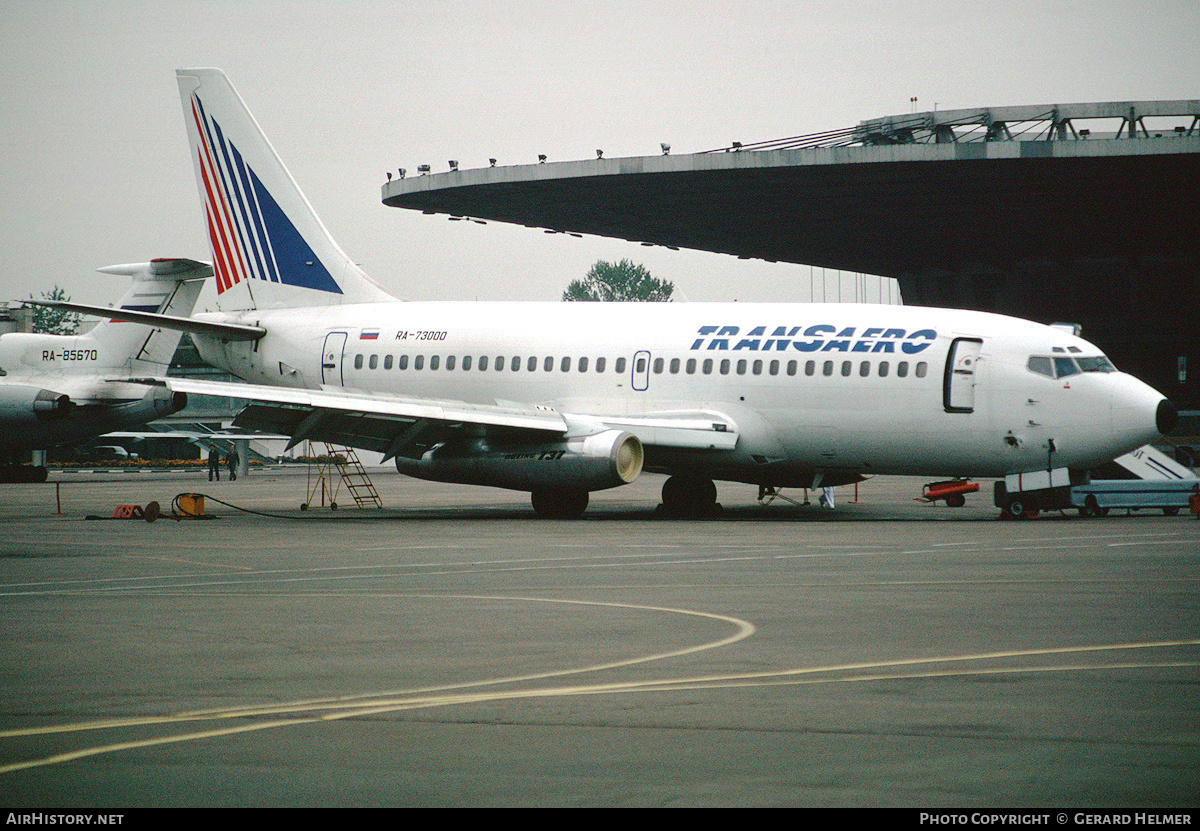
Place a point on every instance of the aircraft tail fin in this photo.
(163, 286)
(269, 248)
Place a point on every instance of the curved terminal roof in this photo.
(917, 195)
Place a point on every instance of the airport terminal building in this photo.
(1081, 213)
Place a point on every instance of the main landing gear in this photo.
(559, 503)
(689, 497)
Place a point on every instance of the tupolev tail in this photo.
(269, 248)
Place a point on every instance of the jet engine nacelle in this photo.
(27, 405)
(588, 463)
(154, 404)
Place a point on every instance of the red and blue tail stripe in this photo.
(251, 236)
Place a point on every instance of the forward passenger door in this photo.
(958, 386)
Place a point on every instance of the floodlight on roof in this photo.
(599, 154)
(402, 172)
(666, 148)
(423, 169)
(454, 164)
(541, 158)
(491, 162)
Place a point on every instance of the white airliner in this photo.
(560, 399)
(64, 389)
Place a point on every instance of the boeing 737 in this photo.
(561, 399)
(64, 389)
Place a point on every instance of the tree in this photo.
(623, 281)
(49, 321)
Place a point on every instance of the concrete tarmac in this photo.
(453, 650)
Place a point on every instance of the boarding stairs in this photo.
(336, 467)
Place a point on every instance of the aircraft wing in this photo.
(398, 425)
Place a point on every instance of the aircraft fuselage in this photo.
(844, 389)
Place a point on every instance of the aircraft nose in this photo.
(1166, 416)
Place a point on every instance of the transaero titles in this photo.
(822, 337)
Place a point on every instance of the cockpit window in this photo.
(1060, 367)
(1064, 367)
(1041, 365)
(1097, 364)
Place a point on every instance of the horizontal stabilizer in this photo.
(224, 331)
(166, 268)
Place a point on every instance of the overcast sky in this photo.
(95, 169)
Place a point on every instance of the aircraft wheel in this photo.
(559, 504)
(1170, 511)
(956, 500)
(689, 496)
(1090, 509)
